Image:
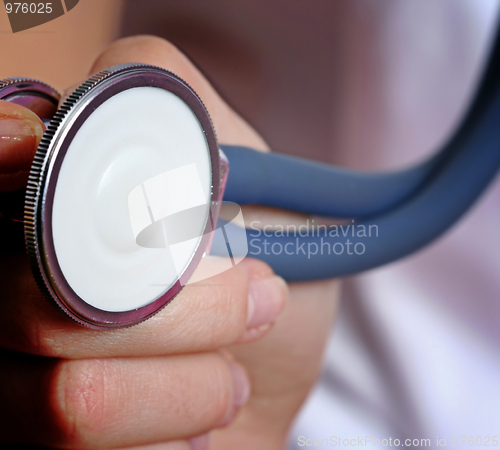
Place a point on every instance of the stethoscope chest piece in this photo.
(122, 196)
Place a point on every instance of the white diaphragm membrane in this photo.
(136, 178)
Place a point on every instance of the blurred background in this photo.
(369, 85)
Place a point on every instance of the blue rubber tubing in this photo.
(400, 212)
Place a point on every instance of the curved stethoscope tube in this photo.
(408, 209)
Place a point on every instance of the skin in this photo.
(184, 373)
(60, 52)
(21, 134)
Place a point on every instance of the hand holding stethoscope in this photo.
(165, 381)
(130, 164)
(18, 315)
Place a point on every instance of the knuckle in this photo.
(229, 298)
(229, 321)
(233, 301)
(79, 392)
(146, 49)
(233, 307)
(148, 43)
(158, 44)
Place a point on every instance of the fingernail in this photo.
(21, 127)
(241, 385)
(266, 300)
(241, 392)
(20, 137)
(200, 442)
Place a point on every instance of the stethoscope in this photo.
(125, 191)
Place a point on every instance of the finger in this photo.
(230, 127)
(20, 133)
(177, 445)
(197, 443)
(216, 313)
(172, 445)
(234, 306)
(111, 403)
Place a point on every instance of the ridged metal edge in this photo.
(34, 190)
(38, 171)
(15, 80)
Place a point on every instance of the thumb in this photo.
(20, 133)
